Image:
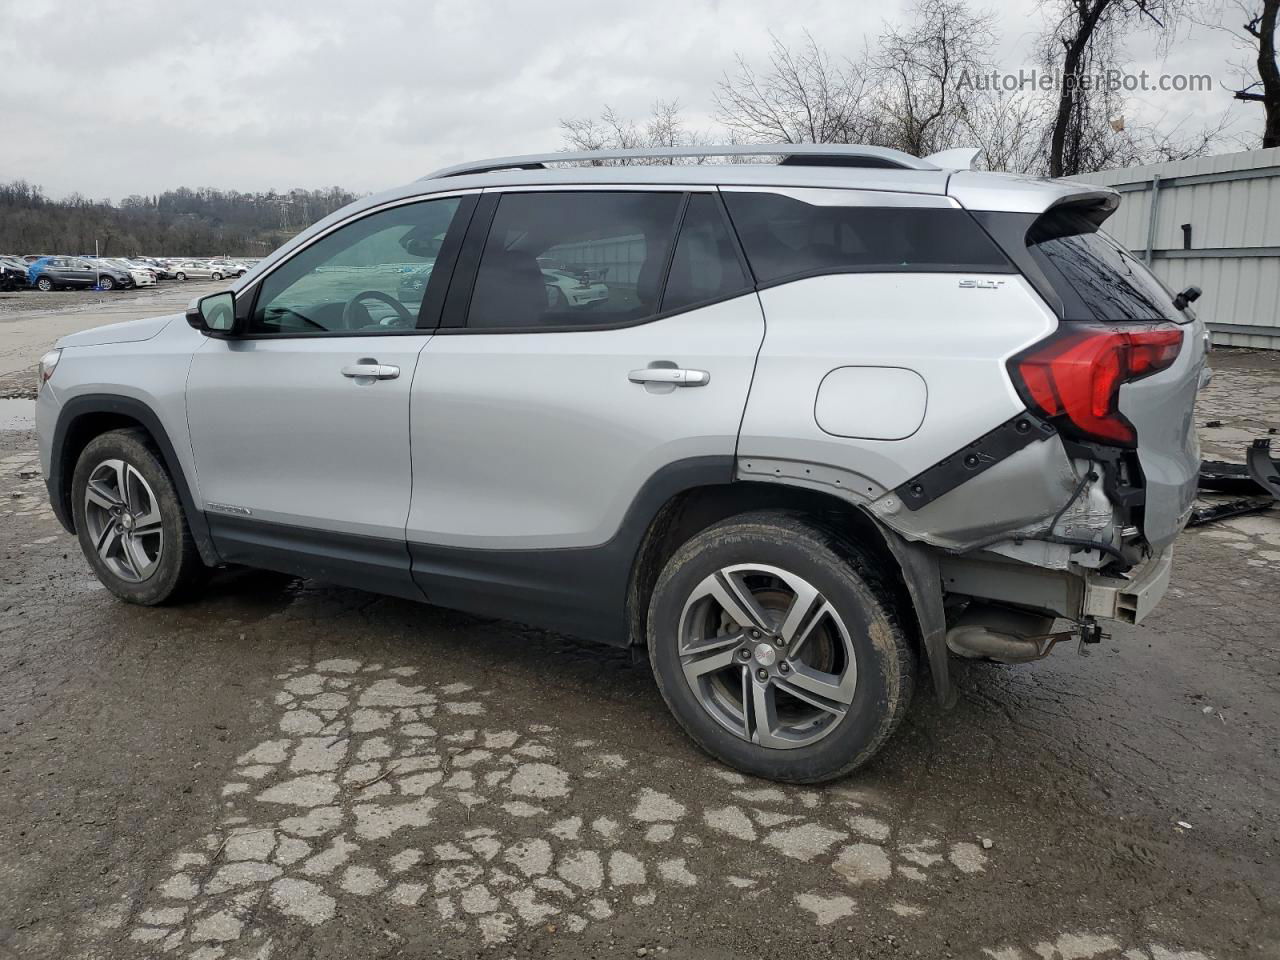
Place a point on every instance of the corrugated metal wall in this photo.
(1232, 252)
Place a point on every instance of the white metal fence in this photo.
(1213, 222)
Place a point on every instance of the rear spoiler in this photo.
(1014, 193)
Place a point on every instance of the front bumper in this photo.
(1129, 599)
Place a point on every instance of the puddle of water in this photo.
(17, 414)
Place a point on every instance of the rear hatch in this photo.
(1133, 359)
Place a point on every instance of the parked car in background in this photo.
(229, 268)
(197, 270)
(60, 273)
(572, 289)
(139, 276)
(13, 274)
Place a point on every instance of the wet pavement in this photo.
(283, 768)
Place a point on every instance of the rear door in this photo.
(300, 428)
(572, 388)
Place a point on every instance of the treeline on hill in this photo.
(182, 222)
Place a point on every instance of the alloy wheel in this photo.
(767, 656)
(123, 520)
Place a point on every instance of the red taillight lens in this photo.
(1077, 374)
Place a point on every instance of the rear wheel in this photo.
(130, 521)
(180, 276)
(44, 284)
(777, 649)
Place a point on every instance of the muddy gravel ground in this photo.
(288, 769)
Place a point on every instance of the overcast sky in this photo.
(136, 97)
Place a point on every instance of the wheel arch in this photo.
(85, 417)
(910, 570)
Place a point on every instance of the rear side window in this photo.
(574, 259)
(1095, 277)
(786, 238)
(706, 265)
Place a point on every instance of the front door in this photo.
(300, 428)
(583, 390)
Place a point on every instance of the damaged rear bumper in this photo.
(1129, 599)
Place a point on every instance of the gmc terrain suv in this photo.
(831, 420)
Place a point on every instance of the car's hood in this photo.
(131, 331)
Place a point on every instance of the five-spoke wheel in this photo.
(768, 657)
(123, 520)
(777, 647)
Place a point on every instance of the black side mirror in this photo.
(214, 315)
(1186, 297)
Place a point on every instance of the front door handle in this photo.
(371, 369)
(673, 375)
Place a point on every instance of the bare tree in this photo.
(610, 131)
(801, 97)
(1010, 129)
(1252, 25)
(1084, 34)
(919, 70)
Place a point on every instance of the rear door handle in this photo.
(681, 378)
(371, 369)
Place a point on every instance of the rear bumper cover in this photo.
(1129, 599)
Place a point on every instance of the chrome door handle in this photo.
(681, 378)
(371, 369)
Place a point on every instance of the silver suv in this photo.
(830, 421)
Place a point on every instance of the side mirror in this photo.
(1186, 297)
(214, 315)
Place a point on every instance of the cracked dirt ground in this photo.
(287, 769)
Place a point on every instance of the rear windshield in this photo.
(785, 238)
(1096, 278)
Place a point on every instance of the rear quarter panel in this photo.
(956, 339)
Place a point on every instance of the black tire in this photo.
(180, 276)
(44, 284)
(885, 658)
(106, 283)
(179, 566)
(216, 276)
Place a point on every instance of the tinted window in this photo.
(705, 265)
(367, 277)
(784, 237)
(573, 259)
(1095, 277)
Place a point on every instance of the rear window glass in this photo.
(1096, 278)
(785, 238)
(705, 266)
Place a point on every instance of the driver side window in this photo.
(367, 277)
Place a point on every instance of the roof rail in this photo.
(792, 154)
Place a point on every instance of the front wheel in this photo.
(777, 649)
(44, 284)
(181, 276)
(130, 521)
(216, 276)
(106, 283)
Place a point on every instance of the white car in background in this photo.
(198, 270)
(141, 276)
(566, 289)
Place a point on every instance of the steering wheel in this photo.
(351, 320)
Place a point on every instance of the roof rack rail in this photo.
(792, 154)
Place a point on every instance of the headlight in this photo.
(48, 364)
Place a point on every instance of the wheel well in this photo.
(80, 432)
(691, 511)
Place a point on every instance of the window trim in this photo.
(247, 298)
(454, 321)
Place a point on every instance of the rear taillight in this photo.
(1075, 376)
